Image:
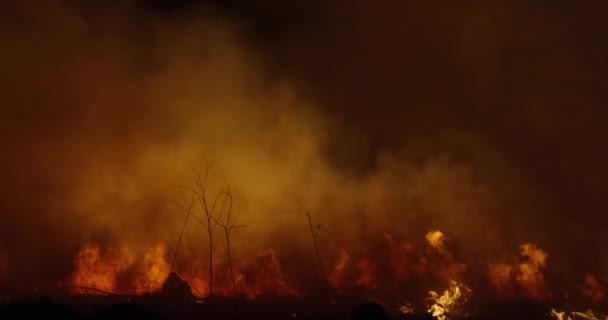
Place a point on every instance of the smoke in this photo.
(105, 109)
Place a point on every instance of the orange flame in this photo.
(436, 239)
(154, 271)
(501, 276)
(527, 275)
(337, 276)
(97, 270)
(593, 289)
(530, 276)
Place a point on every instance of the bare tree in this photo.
(228, 225)
(314, 241)
(211, 216)
(181, 233)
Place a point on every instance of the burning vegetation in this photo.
(423, 166)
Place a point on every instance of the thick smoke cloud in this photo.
(483, 121)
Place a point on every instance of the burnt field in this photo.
(150, 307)
(159, 306)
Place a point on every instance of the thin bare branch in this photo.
(181, 234)
(186, 209)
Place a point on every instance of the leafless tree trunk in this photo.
(181, 233)
(212, 218)
(314, 241)
(211, 215)
(227, 224)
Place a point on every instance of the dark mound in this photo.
(40, 309)
(176, 289)
(126, 311)
(369, 311)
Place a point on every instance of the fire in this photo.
(154, 271)
(527, 275)
(337, 276)
(576, 315)
(118, 271)
(443, 263)
(435, 239)
(366, 274)
(530, 274)
(501, 279)
(450, 303)
(264, 276)
(593, 289)
(383, 272)
(257, 275)
(99, 269)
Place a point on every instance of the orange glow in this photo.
(338, 276)
(501, 277)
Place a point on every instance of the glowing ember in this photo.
(407, 308)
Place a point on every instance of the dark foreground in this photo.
(151, 307)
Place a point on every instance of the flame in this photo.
(366, 274)
(337, 276)
(527, 274)
(436, 239)
(97, 270)
(264, 276)
(444, 265)
(592, 288)
(101, 269)
(576, 315)
(386, 270)
(450, 303)
(155, 270)
(530, 276)
(501, 276)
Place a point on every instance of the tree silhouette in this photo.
(228, 225)
(212, 217)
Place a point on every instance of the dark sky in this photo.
(528, 76)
